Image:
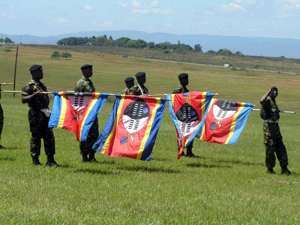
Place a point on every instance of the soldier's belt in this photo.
(271, 121)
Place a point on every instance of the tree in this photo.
(151, 45)
(122, 42)
(8, 41)
(66, 55)
(1, 40)
(55, 55)
(99, 41)
(198, 48)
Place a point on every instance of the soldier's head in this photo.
(273, 92)
(36, 72)
(87, 70)
(141, 77)
(184, 79)
(129, 81)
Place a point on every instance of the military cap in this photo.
(140, 74)
(274, 88)
(86, 66)
(35, 68)
(182, 75)
(128, 79)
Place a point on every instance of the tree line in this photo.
(6, 41)
(127, 43)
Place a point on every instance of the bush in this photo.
(6, 49)
(55, 55)
(66, 55)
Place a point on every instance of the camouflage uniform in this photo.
(1, 116)
(38, 121)
(182, 89)
(272, 136)
(137, 91)
(86, 85)
(129, 91)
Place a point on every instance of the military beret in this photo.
(35, 68)
(274, 88)
(182, 75)
(128, 79)
(86, 66)
(140, 74)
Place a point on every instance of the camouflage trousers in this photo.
(273, 144)
(38, 123)
(1, 120)
(86, 146)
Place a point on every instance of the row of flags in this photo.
(134, 121)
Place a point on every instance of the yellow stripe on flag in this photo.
(232, 127)
(115, 125)
(62, 111)
(96, 97)
(148, 130)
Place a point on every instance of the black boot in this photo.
(189, 153)
(92, 157)
(1, 147)
(36, 162)
(271, 171)
(285, 170)
(51, 161)
(84, 158)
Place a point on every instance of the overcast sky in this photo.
(247, 18)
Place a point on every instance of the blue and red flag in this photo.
(76, 111)
(188, 111)
(132, 127)
(225, 121)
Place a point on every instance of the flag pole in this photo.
(289, 112)
(15, 75)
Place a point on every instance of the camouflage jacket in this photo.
(269, 110)
(128, 91)
(40, 101)
(137, 91)
(84, 85)
(180, 89)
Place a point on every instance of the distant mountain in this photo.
(257, 46)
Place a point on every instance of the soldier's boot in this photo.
(36, 161)
(51, 161)
(84, 158)
(1, 147)
(189, 153)
(92, 156)
(271, 171)
(285, 170)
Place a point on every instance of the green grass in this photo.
(227, 184)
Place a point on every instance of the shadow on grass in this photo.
(7, 159)
(94, 171)
(239, 162)
(206, 165)
(148, 170)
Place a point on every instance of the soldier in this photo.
(129, 90)
(38, 115)
(139, 88)
(184, 81)
(84, 84)
(1, 119)
(272, 137)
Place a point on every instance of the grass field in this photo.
(227, 184)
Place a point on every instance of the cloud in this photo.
(60, 20)
(11, 6)
(88, 8)
(232, 9)
(245, 2)
(151, 9)
(122, 4)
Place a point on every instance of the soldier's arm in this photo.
(29, 98)
(264, 97)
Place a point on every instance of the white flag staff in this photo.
(289, 112)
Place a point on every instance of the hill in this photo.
(255, 46)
